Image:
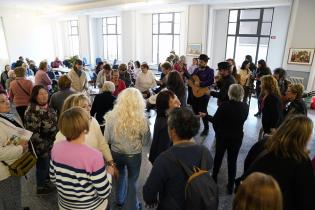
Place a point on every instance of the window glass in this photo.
(250, 14)
(267, 15)
(245, 46)
(166, 17)
(248, 27)
(232, 28)
(165, 28)
(233, 15)
(265, 28)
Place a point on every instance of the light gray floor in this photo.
(251, 129)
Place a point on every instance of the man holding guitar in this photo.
(201, 79)
(226, 79)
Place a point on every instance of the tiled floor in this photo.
(251, 129)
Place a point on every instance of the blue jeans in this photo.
(42, 170)
(126, 193)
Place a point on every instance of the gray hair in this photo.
(236, 92)
(108, 86)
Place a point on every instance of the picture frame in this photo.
(194, 49)
(301, 56)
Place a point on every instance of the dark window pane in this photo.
(267, 15)
(265, 28)
(233, 15)
(248, 27)
(250, 14)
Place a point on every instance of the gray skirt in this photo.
(10, 193)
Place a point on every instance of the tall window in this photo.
(73, 28)
(249, 34)
(165, 35)
(112, 38)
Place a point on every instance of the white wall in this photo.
(279, 29)
(219, 37)
(301, 35)
(128, 22)
(84, 37)
(28, 35)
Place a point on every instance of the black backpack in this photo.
(201, 191)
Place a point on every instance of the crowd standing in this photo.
(86, 143)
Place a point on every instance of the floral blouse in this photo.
(42, 122)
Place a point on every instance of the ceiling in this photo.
(50, 6)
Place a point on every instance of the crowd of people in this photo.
(84, 146)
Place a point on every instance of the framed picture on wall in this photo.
(194, 49)
(303, 56)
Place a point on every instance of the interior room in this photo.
(124, 31)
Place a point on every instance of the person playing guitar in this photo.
(205, 79)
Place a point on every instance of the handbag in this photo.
(24, 164)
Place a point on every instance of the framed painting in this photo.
(194, 49)
(301, 56)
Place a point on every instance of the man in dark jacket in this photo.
(224, 83)
(166, 183)
(206, 77)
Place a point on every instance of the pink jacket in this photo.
(42, 78)
(19, 96)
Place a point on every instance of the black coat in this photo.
(229, 119)
(295, 178)
(102, 103)
(167, 180)
(224, 85)
(296, 107)
(271, 112)
(161, 140)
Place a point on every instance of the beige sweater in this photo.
(78, 84)
(9, 153)
(93, 139)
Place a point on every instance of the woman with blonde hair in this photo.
(271, 104)
(266, 195)
(285, 157)
(94, 138)
(127, 130)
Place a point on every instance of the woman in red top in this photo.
(119, 84)
(20, 91)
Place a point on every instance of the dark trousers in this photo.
(21, 110)
(42, 170)
(232, 146)
(201, 105)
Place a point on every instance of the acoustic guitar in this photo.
(196, 90)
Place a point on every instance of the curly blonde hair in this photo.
(269, 85)
(128, 115)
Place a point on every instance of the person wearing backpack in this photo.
(172, 184)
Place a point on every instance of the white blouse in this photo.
(145, 81)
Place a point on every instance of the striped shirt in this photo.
(79, 174)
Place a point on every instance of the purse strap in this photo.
(27, 93)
